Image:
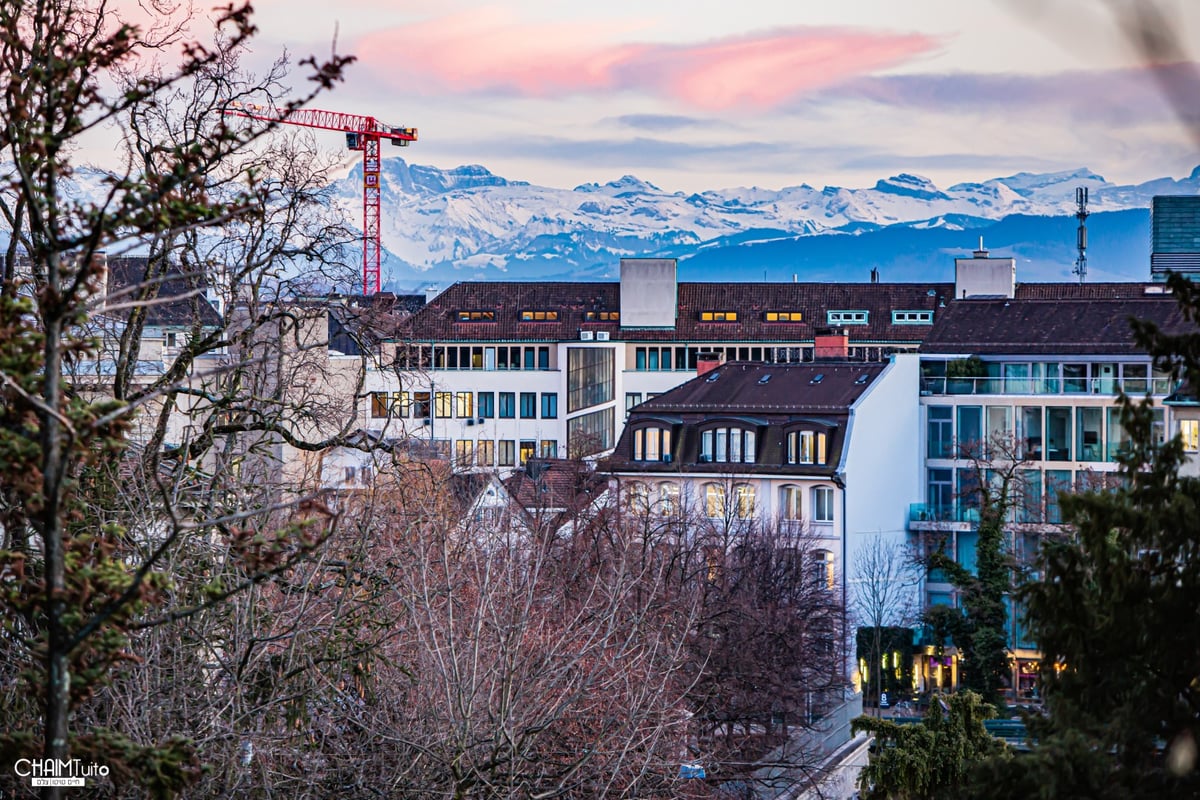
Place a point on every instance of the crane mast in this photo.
(363, 133)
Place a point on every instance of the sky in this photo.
(717, 93)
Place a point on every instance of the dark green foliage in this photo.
(932, 758)
(892, 640)
(1117, 615)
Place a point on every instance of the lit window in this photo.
(652, 444)
(806, 447)
(464, 452)
(464, 406)
(637, 497)
(822, 569)
(539, 315)
(743, 501)
(601, 316)
(714, 500)
(668, 499)
(783, 316)
(718, 316)
(1189, 432)
(443, 404)
(476, 316)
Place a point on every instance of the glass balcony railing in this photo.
(924, 512)
(1043, 386)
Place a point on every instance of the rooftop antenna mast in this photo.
(1081, 214)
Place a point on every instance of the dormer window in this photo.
(846, 317)
(539, 315)
(718, 316)
(783, 316)
(602, 316)
(652, 444)
(476, 315)
(807, 447)
(912, 317)
(727, 445)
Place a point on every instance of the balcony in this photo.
(924, 512)
(1045, 386)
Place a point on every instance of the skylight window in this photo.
(718, 316)
(820, 376)
(764, 379)
(476, 315)
(783, 316)
(601, 316)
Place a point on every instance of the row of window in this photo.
(832, 317)
(463, 405)
(1034, 433)
(535, 357)
(1044, 377)
(1033, 496)
(730, 446)
(502, 452)
(680, 358)
(738, 501)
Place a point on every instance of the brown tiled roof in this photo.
(554, 484)
(1088, 291)
(1092, 326)
(793, 396)
(180, 296)
(438, 321)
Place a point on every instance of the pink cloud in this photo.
(485, 51)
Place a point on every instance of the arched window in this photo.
(714, 500)
(791, 506)
(822, 504)
(668, 499)
(822, 569)
(744, 496)
(652, 444)
(637, 497)
(724, 445)
(807, 447)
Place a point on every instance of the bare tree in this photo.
(883, 598)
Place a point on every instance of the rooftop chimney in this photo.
(833, 343)
(983, 276)
(431, 293)
(707, 362)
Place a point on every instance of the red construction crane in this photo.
(362, 133)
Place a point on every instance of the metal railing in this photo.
(1046, 386)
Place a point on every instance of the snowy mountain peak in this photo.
(907, 185)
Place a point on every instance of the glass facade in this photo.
(591, 373)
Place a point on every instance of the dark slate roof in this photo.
(1089, 291)
(793, 398)
(1094, 326)
(438, 321)
(179, 297)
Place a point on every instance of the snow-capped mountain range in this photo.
(467, 223)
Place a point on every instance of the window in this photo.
(912, 317)
(601, 316)
(783, 316)
(807, 447)
(940, 432)
(940, 494)
(485, 453)
(718, 316)
(379, 405)
(539, 315)
(668, 499)
(507, 452)
(842, 317)
(822, 569)
(476, 316)
(464, 407)
(714, 500)
(822, 504)
(464, 453)
(591, 374)
(637, 497)
(549, 405)
(487, 404)
(549, 448)
(444, 404)
(421, 406)
(652, 444)
(723, 445)
(590, 433)
(508, 405)
(528, 450)
(528, 405)
(632, 399)
(1189, 432)
(744, 497)
(790, 505)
